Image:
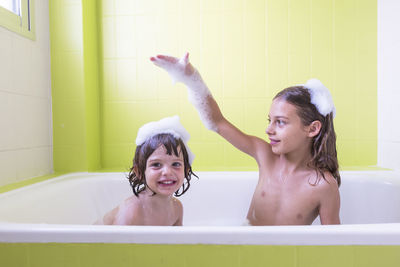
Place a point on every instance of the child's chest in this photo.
(160, 215)
(284, 201)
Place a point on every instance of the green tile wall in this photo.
(105, 87)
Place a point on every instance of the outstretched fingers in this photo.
(164, 61)
(185, 59)
(164, 58)
(179, 66)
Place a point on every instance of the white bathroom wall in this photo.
(25, 102)
(389, 84)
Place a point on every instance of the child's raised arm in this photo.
(181, 70)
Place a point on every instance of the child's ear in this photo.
(314, 128)
(136, 171)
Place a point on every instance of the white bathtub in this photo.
(62, 210)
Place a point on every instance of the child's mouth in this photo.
(273, 141)
(167, 182)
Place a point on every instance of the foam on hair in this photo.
(320, 97)
(169, 125)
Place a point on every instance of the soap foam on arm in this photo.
(180, 70)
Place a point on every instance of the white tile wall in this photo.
(389, 84)
(25, 102)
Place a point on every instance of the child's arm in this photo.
(179, 211)
(108, 218)
(124, 214)
(330, 203)
(199, 95)
(128, 213)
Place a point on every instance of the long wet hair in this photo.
(323, 148)
(136, 174)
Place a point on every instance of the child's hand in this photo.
(180, 70)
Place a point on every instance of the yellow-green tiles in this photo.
(322, 41)
(146, 32)
(325, 256)
(62, 255)
(300, 42)
(348, 256)
(189, 31)
(346, 152)
(69, 135)
(68, 94)
(277, 45)
(66, 25)
(168, 25)
(355, 85)
(120, 80)
(99, 255)
(371, 256)
(67, 75)
(211, 53)
(366, 152)
(236, 160)
(212, 6)
(14, 254)
(255, 52)
(209, 156)
(260, 256)
(256, 112)
(119, 127)
(191, 121)
(233, 55)
(213, 73)
(125, 37)
(108, 42)
(247, 51)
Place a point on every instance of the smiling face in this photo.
(285, 130)
(164, 173)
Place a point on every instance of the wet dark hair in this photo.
(323, 148)
(136, 174)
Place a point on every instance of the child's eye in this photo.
(177, 164)
(280, 122)
(156, 165)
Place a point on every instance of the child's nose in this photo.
(269, 129)
(166, 170)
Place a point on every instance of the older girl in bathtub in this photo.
(161, 170)
(298, 167)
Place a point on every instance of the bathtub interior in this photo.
(215, 199)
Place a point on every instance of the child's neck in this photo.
(295, 161)
(150, 197)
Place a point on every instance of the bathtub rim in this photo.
(354, 234)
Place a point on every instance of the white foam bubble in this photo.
(198, 94)
(320, 97)
(169, 125)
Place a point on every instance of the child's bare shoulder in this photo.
(177, 204)
(129, 211)
(327, 185)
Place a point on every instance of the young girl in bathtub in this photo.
(161, 168)
(298, 167)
